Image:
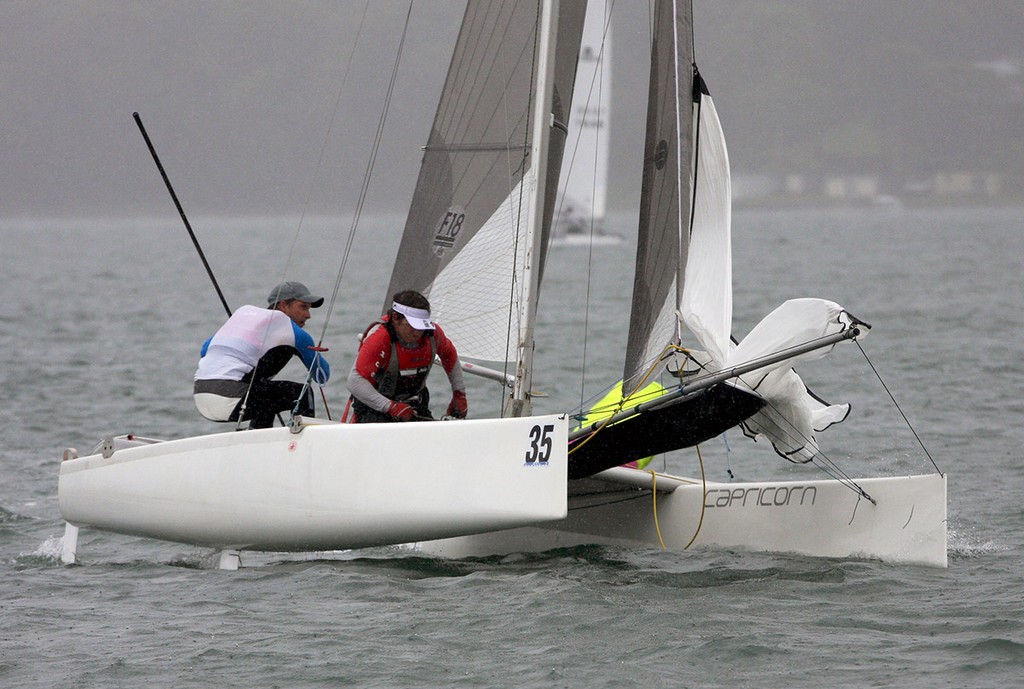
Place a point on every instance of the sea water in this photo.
(101, 326)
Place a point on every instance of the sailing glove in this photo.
(400, 411)
(458, 407)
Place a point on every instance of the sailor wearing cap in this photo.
(234, 380)
(388, 381)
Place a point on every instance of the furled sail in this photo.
(463, 244)
(663, 233)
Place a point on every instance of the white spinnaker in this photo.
(792, 416)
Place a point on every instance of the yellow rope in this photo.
(703, 498)
(654, 498)
(654, 475)
(639, 386)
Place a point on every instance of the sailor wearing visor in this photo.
(388, 381)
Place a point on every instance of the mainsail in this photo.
(663, 233)
(465, 235)
(684, 263)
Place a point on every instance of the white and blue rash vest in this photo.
(234, 350)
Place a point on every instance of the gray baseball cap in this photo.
(293, 290)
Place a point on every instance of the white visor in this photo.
(418, 318)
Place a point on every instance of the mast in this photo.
(541, 122)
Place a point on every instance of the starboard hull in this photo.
(328, 487)
(815, 518)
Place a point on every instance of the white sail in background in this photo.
(584, 180)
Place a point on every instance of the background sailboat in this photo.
(581, 208)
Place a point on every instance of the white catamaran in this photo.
(475, 242)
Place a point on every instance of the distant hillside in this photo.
(903, 90)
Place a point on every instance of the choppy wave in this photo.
(968, 544)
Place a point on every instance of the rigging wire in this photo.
(370, 165)
(909, 425)
(829, 466)
(820, 460)
(368, 174)
(309, 194)
(327, 136)
(601, 66)
(295, 240)
(617, 407)
(586, 109)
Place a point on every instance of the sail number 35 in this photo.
(540, 444)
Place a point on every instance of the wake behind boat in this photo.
(476, 241)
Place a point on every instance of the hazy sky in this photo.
(240, 97)
(237, 97)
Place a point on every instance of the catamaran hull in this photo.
(816, 518)
(328, 487)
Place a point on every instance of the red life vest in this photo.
(407, 368)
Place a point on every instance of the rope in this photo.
(703, 502)
(302, 216)
(598, 72)
(820, 459)
(368, 174)
(330, 128)
(703, 498)
(654, 498)
(636, 388)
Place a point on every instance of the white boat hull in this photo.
(328, 487)
(586, 240)
(817, 518)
